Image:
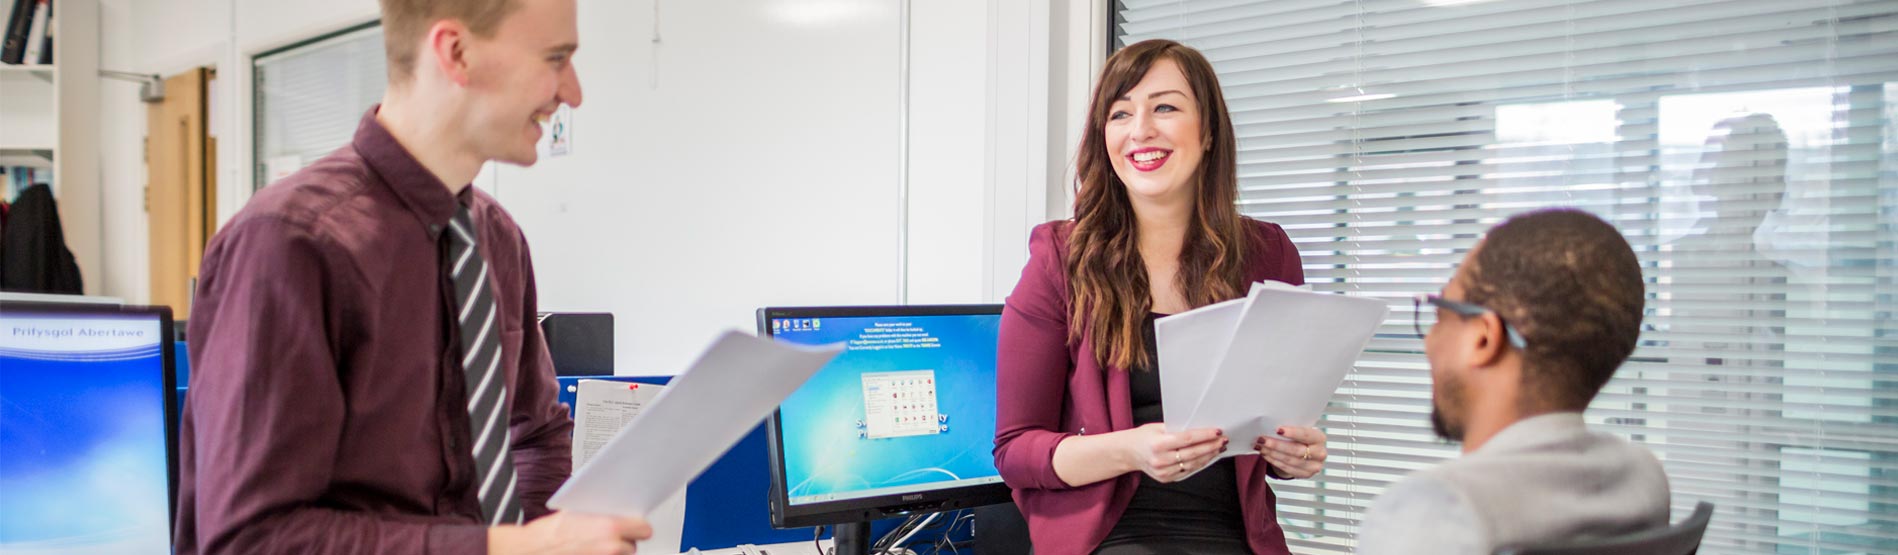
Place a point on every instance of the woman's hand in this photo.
(1302, 457)
(1171, 457)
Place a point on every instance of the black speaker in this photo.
(581, 343)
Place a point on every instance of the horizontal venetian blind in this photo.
(309, 98)
(1744, 147)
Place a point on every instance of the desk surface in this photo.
(788, 548)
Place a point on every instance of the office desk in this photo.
(787, 548)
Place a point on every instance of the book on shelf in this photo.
(19, 24)
(19, 178)
(46, 44)
(36, 33)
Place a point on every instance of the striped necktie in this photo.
(481, 363)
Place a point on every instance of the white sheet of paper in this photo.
(601, 409)
(1286, 355)
(1191, 345)
(705, 410)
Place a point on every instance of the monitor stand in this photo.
(851, 539)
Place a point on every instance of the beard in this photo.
(1446, 407)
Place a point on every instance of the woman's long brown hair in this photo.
(1106, 276)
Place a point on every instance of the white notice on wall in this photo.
(601, 408)
(279, 167)
(560, 132)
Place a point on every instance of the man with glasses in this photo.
(1535, 321)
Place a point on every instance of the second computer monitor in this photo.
(902, 421)
(86, 448)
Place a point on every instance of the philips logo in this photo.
(913, 497)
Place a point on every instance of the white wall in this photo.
(949, 189)
(997, 96)
(1042, 58)
(125, 267)
(707, 180)
(748, 158)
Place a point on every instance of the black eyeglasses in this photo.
(1462, 309)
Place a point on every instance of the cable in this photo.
(902, 533)
(816, 533)
(949, 538)
(919, 528)
(900, 536)
(883, 544)
(946, 541)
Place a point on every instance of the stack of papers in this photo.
(601, 408)
(702, 412)
(1273, 358)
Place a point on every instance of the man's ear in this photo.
(1491, 342)
(447, 46)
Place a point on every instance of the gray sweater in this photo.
(1543, 479)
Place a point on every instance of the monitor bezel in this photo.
(167, 340)
(842, 511)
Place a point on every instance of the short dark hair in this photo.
(1571, 285)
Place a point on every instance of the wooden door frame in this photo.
(179, 203)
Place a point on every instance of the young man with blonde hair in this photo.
(367, 372)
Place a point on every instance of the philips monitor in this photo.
(903, 421)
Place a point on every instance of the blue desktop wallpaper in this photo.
(83, 468)
(824, 452)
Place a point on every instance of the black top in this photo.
(1201, 511)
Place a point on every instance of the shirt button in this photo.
(434, 228)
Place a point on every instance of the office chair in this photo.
(1680, 539)
(580, 343)
(1000, 529)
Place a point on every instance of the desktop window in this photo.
(82, 420)
(909, 406)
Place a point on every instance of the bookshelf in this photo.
(49, 118)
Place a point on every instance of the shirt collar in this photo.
(419, 190)
(1535, 431)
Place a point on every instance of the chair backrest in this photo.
(1000, 529)
(1679, 539)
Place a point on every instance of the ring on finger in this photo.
(1306, 454)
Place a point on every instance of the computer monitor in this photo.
(86, 443)
(903, 421)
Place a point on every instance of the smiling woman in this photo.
(1155, 232)
(1157, 119)
(1159, 144)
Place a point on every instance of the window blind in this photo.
(309, 98)
(1746, 150)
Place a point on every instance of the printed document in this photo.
(1273, 358)
(702, 412)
